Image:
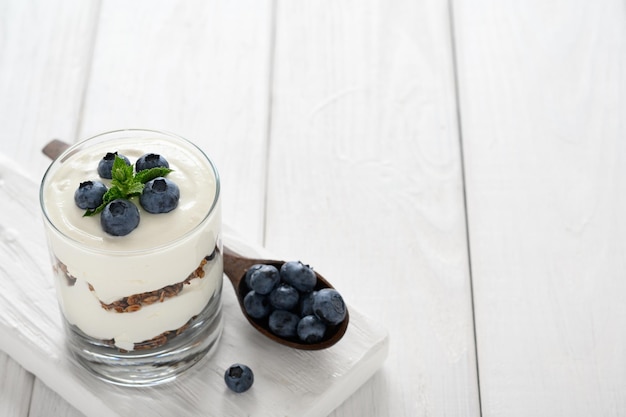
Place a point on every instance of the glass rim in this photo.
(71, 149)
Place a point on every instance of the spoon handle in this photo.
(54, 148)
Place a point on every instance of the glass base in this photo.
(153, 366)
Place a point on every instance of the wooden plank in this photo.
(196, 68)
(365, 185)
(542, 87)
(44, 60)
(16, 384)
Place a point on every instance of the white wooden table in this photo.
(458, 169)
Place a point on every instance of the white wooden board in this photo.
(287, 382)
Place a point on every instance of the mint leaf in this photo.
(121, 172)
(135, 189)
(112, 194)
(122, 175)
(152, 173)
(90, 212)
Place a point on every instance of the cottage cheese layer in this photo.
(163, 250)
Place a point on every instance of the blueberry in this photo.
(119, 217)
(106, 164)
(284, 297)
(89, 194)
(264, 279)
(306, 303)
(257, 305)
(283, 323)
(250, 271)
(238, 377)
(328, 305)
(159, 195)
(150, 160)
(298, 275)
(311, 329)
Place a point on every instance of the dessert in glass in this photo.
(138, 277)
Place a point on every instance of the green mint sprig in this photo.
(125, 183)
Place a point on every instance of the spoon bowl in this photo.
(235, 267)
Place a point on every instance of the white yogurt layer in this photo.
(163, 250)
(82, 308)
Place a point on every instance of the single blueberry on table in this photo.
(89, 194)
(311, 329)
(284, 297)
(257, 305)
(159, 195)
(329, 306)
(150, 160)
(264, 279)
(239, 378)
(106, 164)
(283, 323)
(119, 217)
(298, 275)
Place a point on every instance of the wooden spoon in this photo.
(235, 267)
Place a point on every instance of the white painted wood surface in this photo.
(45, 50)
(353, 103)
(16, 386)
(543, 100)
(365, 182)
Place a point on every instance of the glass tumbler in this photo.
(140, 308)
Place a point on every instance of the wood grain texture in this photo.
(199, 69)
(45, 50)
(542, 87)
(16, 384)
(46, 403)
(288, 382)
(365, 185)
